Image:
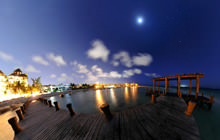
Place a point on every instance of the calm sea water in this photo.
(120, 99)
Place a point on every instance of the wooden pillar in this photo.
(190, 90)
(197, 86)
(153, 86)
(178, 85)
(158, 85)
(165, 85)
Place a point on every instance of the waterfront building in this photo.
(18, 76)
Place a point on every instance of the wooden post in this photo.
(20, 115)
(211, 100)
(191, 106)
(178, 85)
(14, 124)
(22, 109)
(57, 106)
(106, 110)
(153, 86)
(197, 86)
(202, 94)
(45, 101)
(153, 99)
(146, 90)
(158, 85)
(50, 103)
(181, 94)
(190, 90)
(70, 108)
(165, 84)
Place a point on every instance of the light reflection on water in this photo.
(90, 101)
(99, 98)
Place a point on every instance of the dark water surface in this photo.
(90, 101)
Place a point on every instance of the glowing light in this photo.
(33, 101)
(140, 20)
(99, 98)
(126, 95)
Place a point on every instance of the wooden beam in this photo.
(153, 86)
(158, 85)
(178, 85)
(190, 90)
(165, 85)
(197, 86)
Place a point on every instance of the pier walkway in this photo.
(164, 120)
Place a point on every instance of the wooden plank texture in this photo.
(163, 120)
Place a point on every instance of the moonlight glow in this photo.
(139, 20)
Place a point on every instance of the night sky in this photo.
(111, 41)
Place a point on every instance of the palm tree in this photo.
(36, 83)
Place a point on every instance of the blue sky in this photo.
(90, 41)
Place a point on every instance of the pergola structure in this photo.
(191, 76)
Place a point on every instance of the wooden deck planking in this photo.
(163, 120)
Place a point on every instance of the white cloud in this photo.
(82, 68)
(124, 58)
(137, 71)
(5, 56)
(73, 63)
(91, 77)
(128, 73)
(152, 75)
(64, 78)
(114, 74)
(115, 63)
(53, 76)
(139, 60)
(142, 59)
(99, 72)
(31, 68)
(40, 60)
(57, 59)
(98, 51)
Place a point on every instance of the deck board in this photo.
(163, 120)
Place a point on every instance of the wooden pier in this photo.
(163, 120)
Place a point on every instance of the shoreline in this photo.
(10, 105)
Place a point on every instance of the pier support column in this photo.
(165, 85)
(14, 124)
(70, 108)
(153, 86)
(197, 86)
(190, 90)
(158, 88)
(106, 110)
(178, 85)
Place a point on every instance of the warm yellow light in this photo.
(33, 101)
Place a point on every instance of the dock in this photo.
(164, 119)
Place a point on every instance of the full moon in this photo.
(139, 20)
